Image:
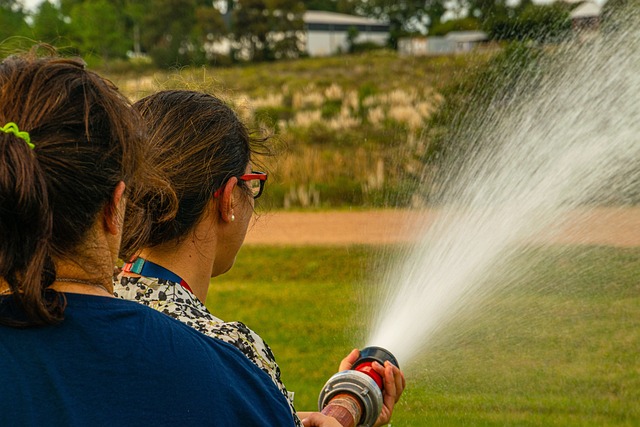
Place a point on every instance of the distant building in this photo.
(453, 42)
(327, 32)
(418, 46)
(586, 16)
(466, 41)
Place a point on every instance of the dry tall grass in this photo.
(356, 122)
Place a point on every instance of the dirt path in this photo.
(602, 226)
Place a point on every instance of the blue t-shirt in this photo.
(113, 362)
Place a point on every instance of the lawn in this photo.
(559, 349)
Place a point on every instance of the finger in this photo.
(388, 399)
(393, 387)
(348, 361)
(378, 368)
(399, 381)
(390, 396)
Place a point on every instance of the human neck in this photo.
(192, 264)
(70, 277)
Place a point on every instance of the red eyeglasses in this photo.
(255, 180)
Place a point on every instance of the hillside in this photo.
(347, 131)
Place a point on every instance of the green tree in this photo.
(486, 10)
(99, 27)
(352, 35)
(543, 23)
(405, 16)
(268, 29)
(287, 26)
(209, 21)
(251, 29)
(48, 24)
(67, 5)
(210, 28)
(12, 23)
(464, 24)
(167, 31)
(540, 23)
(135, 12)
(339, 6)
(613, 6)
(121, 27)
(612, 10)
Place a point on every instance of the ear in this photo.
(226, 200)
(114, 211)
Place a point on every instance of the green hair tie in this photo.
(13, 128)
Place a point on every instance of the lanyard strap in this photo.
(147, 268)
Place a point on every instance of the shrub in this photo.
(331, 108)
(365, 47)
(464, 24)
(271, 116)
(471, 93)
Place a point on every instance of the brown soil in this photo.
(601, 226)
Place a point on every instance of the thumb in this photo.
(314, 419)
(348, 361)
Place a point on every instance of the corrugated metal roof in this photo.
(322, 17)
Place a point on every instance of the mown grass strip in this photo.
(558, 349)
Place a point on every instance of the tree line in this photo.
(173, 32)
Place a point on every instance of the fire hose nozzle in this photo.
(368, 396)
(354, 396)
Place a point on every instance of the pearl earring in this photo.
(233, 217)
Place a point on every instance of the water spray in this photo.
(354, 396)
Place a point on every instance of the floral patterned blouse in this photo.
(174, 300)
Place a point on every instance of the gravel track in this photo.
(619, 227)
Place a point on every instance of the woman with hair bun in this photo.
(206, 153)
(73, 355)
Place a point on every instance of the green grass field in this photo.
(559, 349)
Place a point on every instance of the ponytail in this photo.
(67, 139)
(26, 222)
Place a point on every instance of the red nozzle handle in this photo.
(368, 355)
(367, 369)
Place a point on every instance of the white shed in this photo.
(466, 40)
(586, 16)
(326, 32)
(453, 42)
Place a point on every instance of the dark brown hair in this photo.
(87, 139)
(197, 143)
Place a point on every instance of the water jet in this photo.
(564, 140)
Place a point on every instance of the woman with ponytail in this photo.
(70, 353)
